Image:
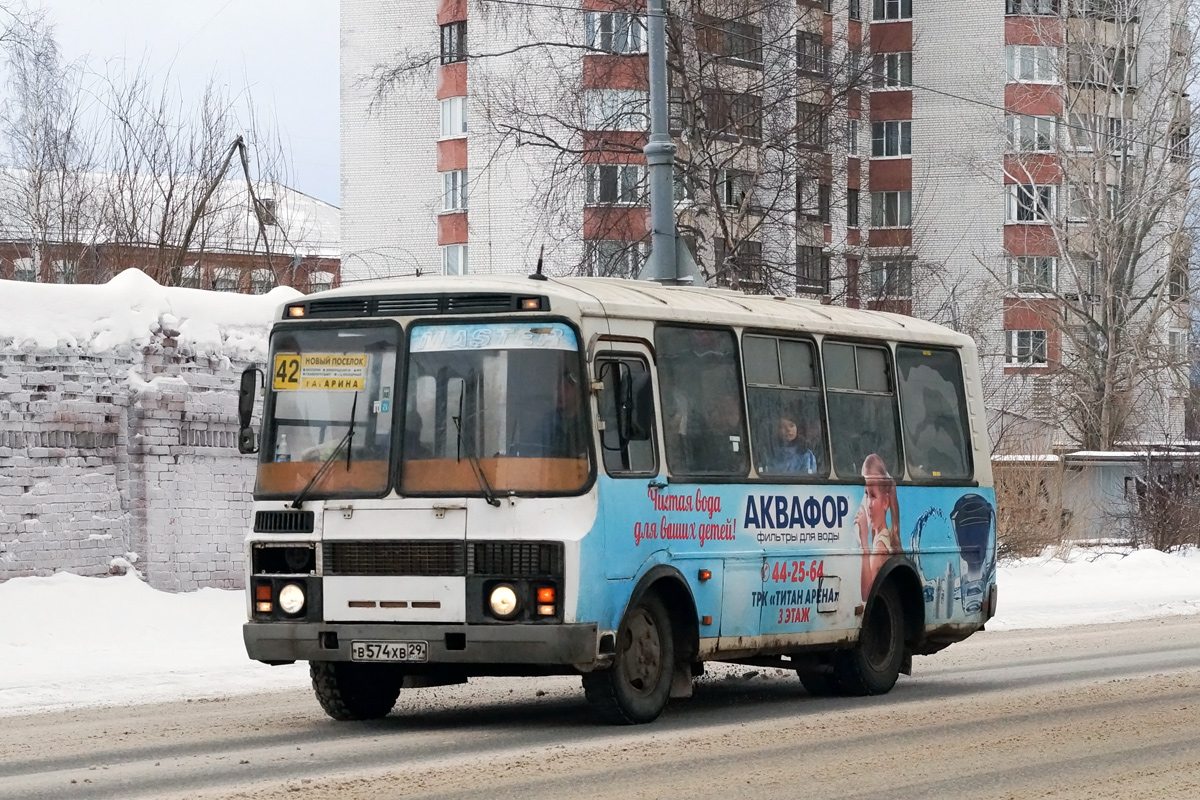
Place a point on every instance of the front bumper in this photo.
(477, 645)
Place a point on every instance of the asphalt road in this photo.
(1110, 711)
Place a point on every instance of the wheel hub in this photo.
(641, 661)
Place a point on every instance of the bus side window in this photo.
(783, 394)
(934, 408)
(704, 425)
(622, 456)
(862, 407)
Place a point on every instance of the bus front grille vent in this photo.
(516, 559)
(394, 558)
(351, 307)
(286, 521)
(412, 305)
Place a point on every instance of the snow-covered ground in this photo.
(68, 641)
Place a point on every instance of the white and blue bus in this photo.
(511, 476)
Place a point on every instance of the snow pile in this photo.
(130, 311)
(68, 641)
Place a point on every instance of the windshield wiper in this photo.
(346, 441)
(476, 467)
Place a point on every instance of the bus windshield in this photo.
(495, 407)
(321, 380)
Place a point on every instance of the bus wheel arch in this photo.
(654, 644)
(891, 625)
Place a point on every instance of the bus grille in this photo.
(420, 304)
(286, 521)
(394, 558)
(516, 559)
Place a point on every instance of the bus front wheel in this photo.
(350, 691)
(873, 665)
(635, 690)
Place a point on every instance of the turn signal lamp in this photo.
(295, 311)
(262, 592)
(546, 594)
(705, 574)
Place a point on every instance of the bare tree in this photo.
(1110, 181)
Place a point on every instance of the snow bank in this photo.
(129, 311)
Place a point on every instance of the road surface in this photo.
(1108, 711)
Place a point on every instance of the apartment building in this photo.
(994, 165)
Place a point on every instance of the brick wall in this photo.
(121, 459)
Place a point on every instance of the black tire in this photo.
(873, 664)
(819, 684)
(350, 691)
(636, 689)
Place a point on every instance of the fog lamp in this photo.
(291, 599)
(503, 601)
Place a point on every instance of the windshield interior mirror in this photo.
(635, 412)
(247, 440)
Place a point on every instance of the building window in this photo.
(742, 269)
(1177, 277)
(262, 281)
(855, 9)
(733, 114)
(1032, 274)
(1181, 142)
(812, 270)
(1114, 67)
(64, 271)
(454, 117)
(189, 276)
(810, 53)
(454, 259)
(1026, 348)
(454, 42)
(320, 281)
(616, 32)
(891, 139)
(611, 184)
(24, 270)
(737, 41)
(852, 136)
(824, 199)
(614, 258)
(892, 71)
(226, 279)
(891, 278)
(893, 9)
(852, 208)
(1177, 344)
(733, 187)
(1029, 134)
(1032, 7)
(617, 109)
(454, 190)
(1030, 63)
(1030, 203)
(811, 124)
(891, 209)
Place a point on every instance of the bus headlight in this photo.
(503, 601)
(291, 599)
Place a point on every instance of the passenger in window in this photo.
(878, 534)
(560, 432)
(792, 454)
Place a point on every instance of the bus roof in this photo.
(635, 299)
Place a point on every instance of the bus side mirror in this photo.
(635, 417)
(247, 440)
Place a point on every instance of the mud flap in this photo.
(681, 682)
(906, 662)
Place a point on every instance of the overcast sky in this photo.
(285, 51)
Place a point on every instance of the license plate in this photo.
(389, 651)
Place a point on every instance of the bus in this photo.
(518, 476)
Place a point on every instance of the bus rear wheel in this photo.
(873, 665)
(636, 689)
(350, 691)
